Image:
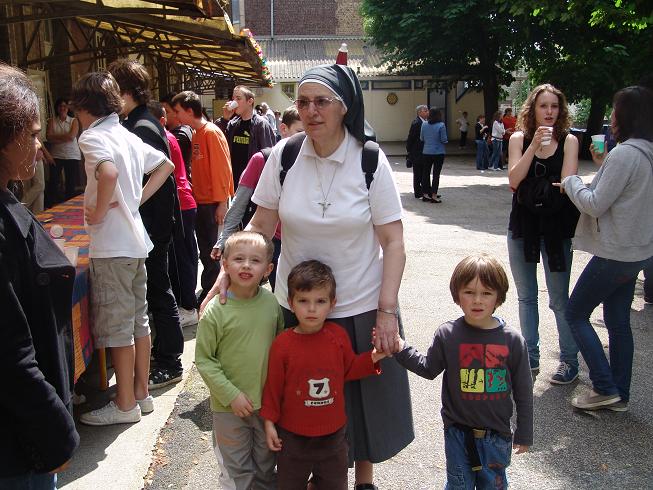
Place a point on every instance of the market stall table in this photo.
(70, 216)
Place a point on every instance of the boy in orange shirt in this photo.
(212, 180)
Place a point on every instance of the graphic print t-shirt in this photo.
(240, 148)
(482, 368)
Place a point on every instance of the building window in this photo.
(365, 84)
(418, 84)
(289, 90)
(391, 85)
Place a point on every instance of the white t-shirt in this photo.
(498, 130)
(344, 238)
(68, 150)
(122, 233)
(463, 124)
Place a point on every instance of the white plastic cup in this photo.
(232, 105)
(598, 140)
(56, 231)
(71, 252)
(546, 138)
(61, 243)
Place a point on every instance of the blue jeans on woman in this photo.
(494, 452)
(612, 283)
(525, 277)
(482, 155)
(495, 162)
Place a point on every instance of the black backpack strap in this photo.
(266, 153)
(289, 154)
(369, 161)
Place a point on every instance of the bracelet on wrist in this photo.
(388, 312)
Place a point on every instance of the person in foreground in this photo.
(231, 354)
(303, 403)
(116, 161)
(36, 286)
(485, 366)
(616, 226)
(329, 214)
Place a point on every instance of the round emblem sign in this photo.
(392, 98)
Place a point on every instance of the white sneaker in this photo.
(146, 404)
(110, 414)
(187, 317)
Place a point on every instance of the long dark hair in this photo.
(435, 115)
(633, 114)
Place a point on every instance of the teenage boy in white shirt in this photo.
(116, 162)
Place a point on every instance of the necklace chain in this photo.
(324, 203)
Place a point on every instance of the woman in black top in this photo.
(542, 220)
(36, 283)
(482, 153)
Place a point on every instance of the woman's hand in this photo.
(216, 253)
(598, 158)
(540, 134)
(386, 333)
(221, 285)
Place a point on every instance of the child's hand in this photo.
(377, 356)
(94, 216)
(242, 406)
(271, 436)
(520, 448)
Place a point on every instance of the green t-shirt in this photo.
(232, 346)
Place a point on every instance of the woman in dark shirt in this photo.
(36, 282)
(482, 153)
(542, 148)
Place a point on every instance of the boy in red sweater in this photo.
(303, 400)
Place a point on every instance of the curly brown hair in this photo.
(19, 104)
(526, 121)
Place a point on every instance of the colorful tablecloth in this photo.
(70, 215)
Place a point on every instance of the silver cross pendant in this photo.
(325, 204)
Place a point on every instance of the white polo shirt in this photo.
(122, 233)
(344, 238)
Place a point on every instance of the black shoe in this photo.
(161, 376)
(426, 199)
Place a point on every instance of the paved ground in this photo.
(572, 449)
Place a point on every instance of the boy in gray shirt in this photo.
(484, 362)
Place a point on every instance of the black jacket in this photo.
(161, 214)
(414, 145)
(37, 431)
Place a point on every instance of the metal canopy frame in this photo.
(194, 39)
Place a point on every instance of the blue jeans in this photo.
(482, 155)
(496, 153)
(30, 481)
(494, 451)
(612, 283)
(525, 277)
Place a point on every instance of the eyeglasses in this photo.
(320, 103)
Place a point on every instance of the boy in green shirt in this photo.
(231, 354)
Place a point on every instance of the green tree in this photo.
(472, 40)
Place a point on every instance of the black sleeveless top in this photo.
(554, 228)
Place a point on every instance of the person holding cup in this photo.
(543, 152)
(616, 227)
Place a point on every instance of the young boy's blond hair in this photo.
(251, 237)
(488, 270)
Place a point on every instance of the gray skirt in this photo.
(379, 412)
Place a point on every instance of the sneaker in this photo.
(593, 401)
(618, 407)
(110, 414)
(565, 374)
(187, 317)
(161, 377)
(146, 404)
(534, 372)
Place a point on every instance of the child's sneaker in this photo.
(110, 414)
(146, 404)
(565, 374)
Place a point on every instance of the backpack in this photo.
(369, 158)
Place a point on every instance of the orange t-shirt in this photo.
(211, 166)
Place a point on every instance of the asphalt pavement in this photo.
(572, 449)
